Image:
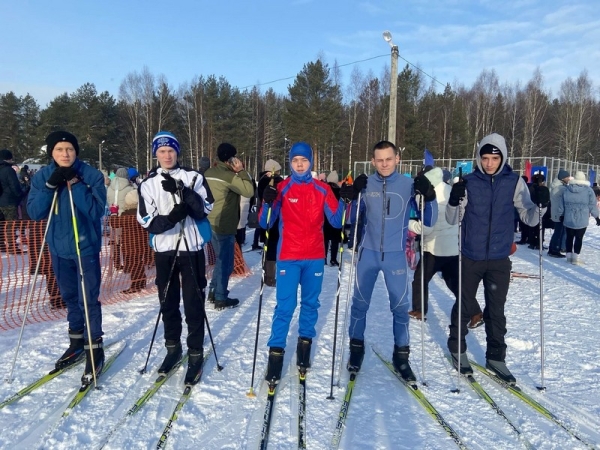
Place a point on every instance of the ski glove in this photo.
(347, 192)
(360, 183)
(178, 213)
(541, 196)
(59, 176)
(598, 221)
(269, 194)
(458, 192)
(170, 184)
(423, 186)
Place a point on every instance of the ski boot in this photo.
(195, 362)
(357, 354)
(75, 351)
(227, 303)
(275, 365)
(303, 354)
(400, 360)
(173, 357)
(97, 351)
(499, 369)
(465, 366)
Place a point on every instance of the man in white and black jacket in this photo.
(172, 197)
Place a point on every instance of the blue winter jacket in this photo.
(89, 199)
(387, 202)
(577, 204)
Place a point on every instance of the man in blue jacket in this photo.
(89, 199)
(387, 198)
(487, 198)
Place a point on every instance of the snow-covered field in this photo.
(382, 415)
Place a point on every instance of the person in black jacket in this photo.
(11, 195)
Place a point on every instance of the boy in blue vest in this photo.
(487, 198)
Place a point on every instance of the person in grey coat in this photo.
(578, 203)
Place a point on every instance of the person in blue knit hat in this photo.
(301, 203)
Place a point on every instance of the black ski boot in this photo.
(97, 351)
(499, 369)
(75, 351)
(357, 354)
(465, 366)
(173, 357)
(195, 362)
(227, 303)
(275, 365)
(401, 364)
(303, 353)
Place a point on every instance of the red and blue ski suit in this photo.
(301, 206)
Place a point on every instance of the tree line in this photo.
(341, 122)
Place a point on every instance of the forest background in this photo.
(341, 122)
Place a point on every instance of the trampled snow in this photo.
(382, 415)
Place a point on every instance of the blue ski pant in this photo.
(394, 268)
(223, 245)
(69, 283)
(308, 274)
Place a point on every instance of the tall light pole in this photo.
(100, 156)
(387, 36)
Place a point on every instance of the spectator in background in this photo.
(115, 198)
(332, 235)
(271, 177)
(204, 164)
(558, 239)
(11, 195)
(523, 227)
(578, 203)
(136, 249)
(227, 181)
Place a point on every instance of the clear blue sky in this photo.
(47, 48)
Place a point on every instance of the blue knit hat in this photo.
(302, 149)
(164, 139)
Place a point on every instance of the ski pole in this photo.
(541, 237)
(350, 279)
(459, 299)
(422, 261)
(9, 379)
(162, 300)
(82, 281)
(337, 304)
(251, 393)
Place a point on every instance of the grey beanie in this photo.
(122, 173)
(562, 174)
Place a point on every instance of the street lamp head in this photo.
(387, 37)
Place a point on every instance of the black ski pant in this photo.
(192, 274)
(574, 239)
(496, 278)
(432, 264)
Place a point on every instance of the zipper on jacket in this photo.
(487, 249)
(384, 208)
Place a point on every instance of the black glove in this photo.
(170, 184)
(458, 192)
(60, 175)
(347, 192)
(423, 186)
(178, 213)
(598, 221)
(541, 196)
(269, 194)
(360, 183)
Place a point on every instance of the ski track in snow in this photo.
(382, 415)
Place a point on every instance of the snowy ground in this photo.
(382, 415)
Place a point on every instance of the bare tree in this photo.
(576, 103)
(536, 104)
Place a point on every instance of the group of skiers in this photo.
(177, 208)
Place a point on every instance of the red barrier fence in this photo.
(127, 262)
